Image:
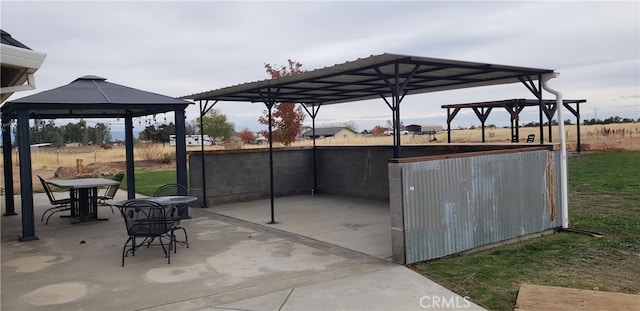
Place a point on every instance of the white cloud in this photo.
(180, 48)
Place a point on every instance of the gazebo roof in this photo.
(93, 97)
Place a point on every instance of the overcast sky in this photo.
(178, 48)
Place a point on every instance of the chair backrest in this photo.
(170, 189)
(118, 177)
(111, 190)
(531, 138)
(144, 218)
(45, 185)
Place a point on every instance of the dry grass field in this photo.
(593, 137)
(100, 161)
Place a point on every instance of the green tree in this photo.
(47, 132)
(191, 127)
(157, 134)
(99, 134)
(72, 133)
(166, 130)
(286, 118)
(150, 133)
(36, 131)
(215, 124)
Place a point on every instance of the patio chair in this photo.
(175, 190)
(148, 221)
(110, 192)
(59, 205)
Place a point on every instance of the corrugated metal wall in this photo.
(457, 204)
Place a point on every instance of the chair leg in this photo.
(51, 210)
(172, 242)
(62, 209)
(124, 249)
(186, 237)
(104, 203)
(167, 250)
(45, 212)
(47, 222)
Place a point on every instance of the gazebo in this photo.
(86, 97)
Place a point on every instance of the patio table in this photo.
(84, 192)
(170, 200)
(164, 200)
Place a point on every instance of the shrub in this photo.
(149, 152)
(167, 158)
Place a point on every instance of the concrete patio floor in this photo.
(353, 223)
(331, 256)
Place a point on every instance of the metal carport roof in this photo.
(374, 77)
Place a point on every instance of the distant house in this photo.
(261, 139)
(303, 129)
(36, 147)
(330, 132)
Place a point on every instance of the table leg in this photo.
(73, 193)
(93, 203)
(83, 201)
(88, 204)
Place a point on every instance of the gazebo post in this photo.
(128, 141)
(8, 167)
(269, 103)
(181, 155)
(448, 125)
(26, 187)
(204, 110)
(578, 125)
(203, 167)
(313, 113)
(396, 113)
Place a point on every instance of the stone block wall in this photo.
(358, 171)
(243, 175)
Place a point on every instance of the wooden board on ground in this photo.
(538, 297)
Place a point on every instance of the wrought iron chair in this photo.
(175, 190)
(59, 205)
(148, 221)
(110, 192)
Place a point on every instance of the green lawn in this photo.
(604, 196)
(148, 181)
